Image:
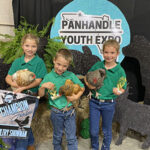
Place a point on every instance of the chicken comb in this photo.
(34, 76)
(94, 80)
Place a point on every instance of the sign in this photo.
(91, 23)
(16, 111)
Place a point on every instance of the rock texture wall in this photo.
(6, 18)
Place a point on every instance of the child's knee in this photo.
(94, 133)
(57, 140)
(71, 141)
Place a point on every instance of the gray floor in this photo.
(84, 144)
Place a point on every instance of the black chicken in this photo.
(22, 123)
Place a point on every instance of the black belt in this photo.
(104, 100)
(67, 109)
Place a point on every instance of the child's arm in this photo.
(19, 89)
(75, 96)
(9, 81)
(35, 83)
(47, 85)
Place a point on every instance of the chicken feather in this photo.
(68, 89)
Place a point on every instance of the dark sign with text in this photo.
(16, 111)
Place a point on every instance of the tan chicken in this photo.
(68, 89)
(23, 77)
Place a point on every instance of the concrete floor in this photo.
(129, 143)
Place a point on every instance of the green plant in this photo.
(3, 145)
(11, 49)
(52, 47)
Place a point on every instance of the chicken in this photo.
(22, 123)
(68, 89)
(95, 79)
(23, 77)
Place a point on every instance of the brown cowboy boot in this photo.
(31, 147)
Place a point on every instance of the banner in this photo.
(91, 23)
(16, 112)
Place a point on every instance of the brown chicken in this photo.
(68, 89)
(23, 77)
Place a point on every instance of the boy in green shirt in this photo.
(104, 104)
(62, 119)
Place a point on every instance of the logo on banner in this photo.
(78, 28)
(90, 23)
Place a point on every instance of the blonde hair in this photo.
(30, 36)
(112, 43)
(65, 53)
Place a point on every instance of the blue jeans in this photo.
(64, 121)
(22, 144)
(106, 110)
(8, 142)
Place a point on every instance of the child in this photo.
(62, 119)
(31, 61)
(104, 104)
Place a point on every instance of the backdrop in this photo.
(40, 11)
(137, 14)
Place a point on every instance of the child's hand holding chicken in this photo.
(71, 91)
(74, 97)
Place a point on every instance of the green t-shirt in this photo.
(111, 80)
(58, 81)
(35, 65)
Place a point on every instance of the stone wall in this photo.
(6, 18)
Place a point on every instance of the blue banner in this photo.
(91, 23)
(16, 112)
